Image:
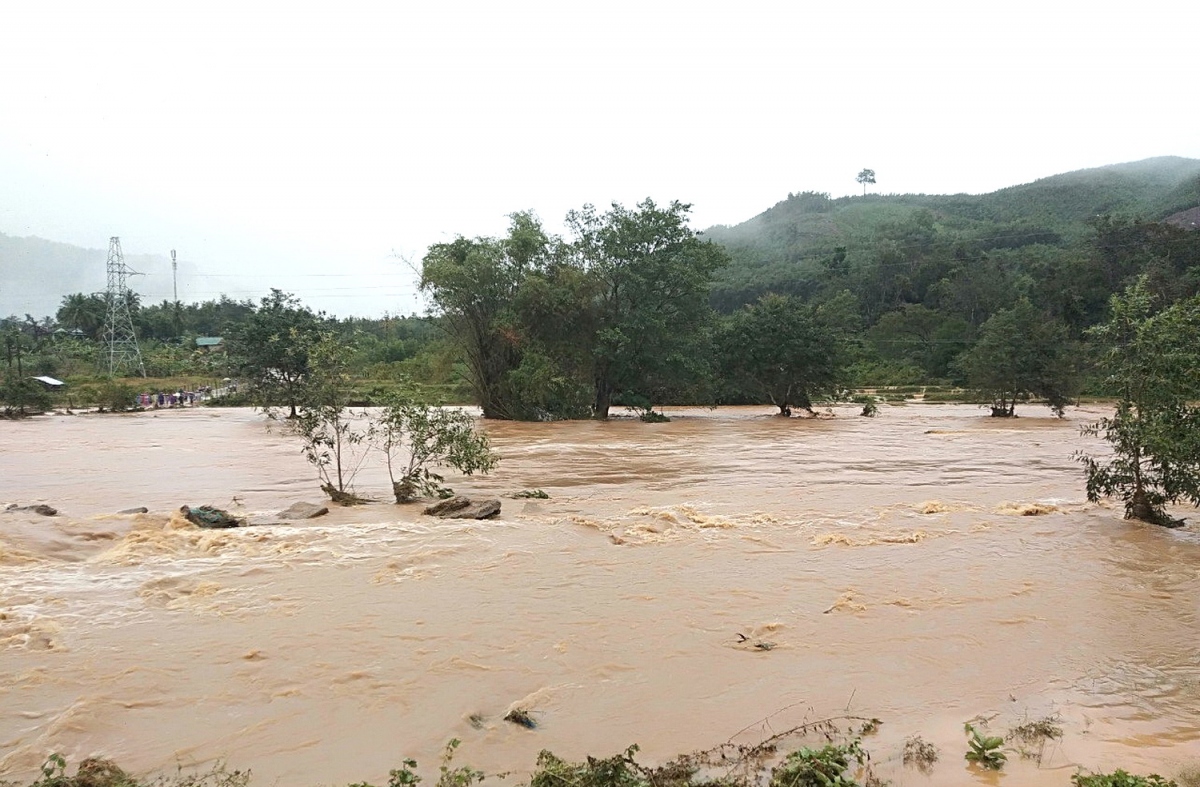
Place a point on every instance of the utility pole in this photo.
(123, 352)
(175, 287)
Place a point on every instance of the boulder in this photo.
(40, 508)
(303, 511)
(461, 507)
(208, 516)
(138, 510)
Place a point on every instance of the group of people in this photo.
(178, 398)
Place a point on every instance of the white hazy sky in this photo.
(301, 144)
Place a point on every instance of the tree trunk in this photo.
(603, 401)
(1139, 507)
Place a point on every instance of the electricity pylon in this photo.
(123, 350)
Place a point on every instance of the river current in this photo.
(725, 575)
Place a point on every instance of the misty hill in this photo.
(36, 274)
(791, 246)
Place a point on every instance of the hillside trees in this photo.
(1152, 364)
(927, 339)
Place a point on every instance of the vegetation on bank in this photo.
(826, 753)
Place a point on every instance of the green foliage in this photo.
(271, 350)
(1021, 353)
(864, 177)
(651, 310)
(417, 437)
(617, 771)
(96, 772)
(789, 351)
(551, 329)
(1151, 363)
(333, 443)
(1119, 778)
(825, 767)
(984, 750)
(115, 397)
(870, 408)
(83, 313)
(22, 396)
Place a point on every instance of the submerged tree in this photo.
(475, 284)
(1152, 364)
(651, 277)
(790, 351)
(334, 443)
(1020, 354)
(417, 437)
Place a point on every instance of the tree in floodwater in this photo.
(1152, 364)
(1020, 354)
(651, 275)
(417, 437)
(475, 282)
(790, 351)
(271, 349)
(334, 443)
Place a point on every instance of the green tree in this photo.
(271, 349)
(864, 177)
(789, 351)
(417, 437)
(1021, 353)
(651, 275)
(921, 336)
(334, 442)
(1152, 364)
(474, 284)
(85, 313)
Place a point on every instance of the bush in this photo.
(1119, 778)
(21, 396)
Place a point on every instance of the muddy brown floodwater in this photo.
(924, 567)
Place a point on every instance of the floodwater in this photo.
(726, 575)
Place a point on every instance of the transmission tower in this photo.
(123, 350)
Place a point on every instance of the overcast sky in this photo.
(302, 145)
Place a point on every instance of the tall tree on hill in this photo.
(652, 275)
(864, 177)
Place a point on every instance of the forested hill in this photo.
(901, 249)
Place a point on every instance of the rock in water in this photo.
(207, 516)
(40, 508)
(460, 507)
(303, 511)
(138, 510)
